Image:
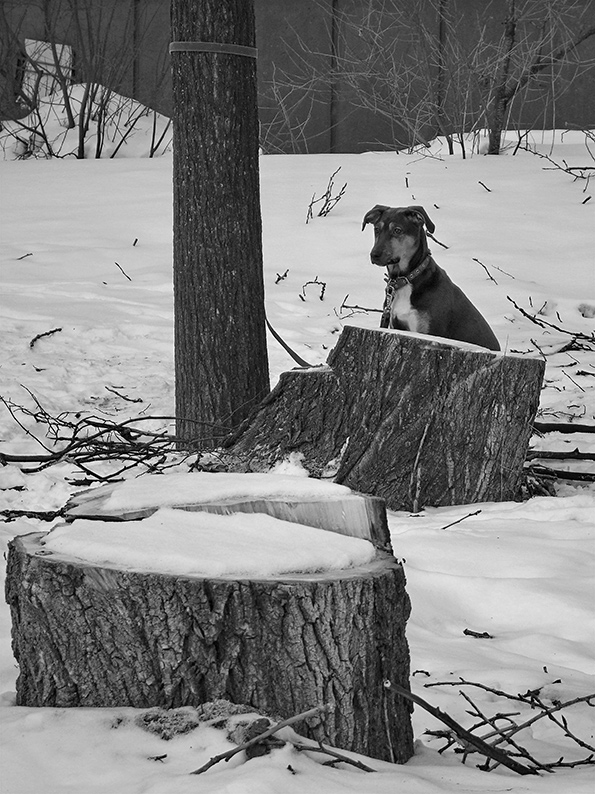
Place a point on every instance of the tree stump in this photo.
(90, 635)
(416, 420)
(303, 414)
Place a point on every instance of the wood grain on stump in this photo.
(350, 514)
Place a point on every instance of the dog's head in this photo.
(398, 236)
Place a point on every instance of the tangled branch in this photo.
(273, 729)
(499, 745)
(588, 339)
(88, 442)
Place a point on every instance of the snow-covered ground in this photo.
(523, 572)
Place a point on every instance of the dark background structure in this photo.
(294, 116)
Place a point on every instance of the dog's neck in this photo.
(420, 255)
(415, 268)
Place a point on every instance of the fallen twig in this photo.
(577, 171)
(88, 440)
(562, 427)
(355, 307)
(561, 474)
(464, 736)
(40, 336)
(480, 635)
(269, 732)
(123, 396)
(458, 521)
(339, 757)
(590, 338)
(504, 734)
(574, 454)
(573, 380)
(123, 271)
(486, 270)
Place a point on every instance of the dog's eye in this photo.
(397, 231)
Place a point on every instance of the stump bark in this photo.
(415, 420)
(303, 414)
(91, 636)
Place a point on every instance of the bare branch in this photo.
(265, 735)
(465, 737)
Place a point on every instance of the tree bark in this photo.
(91, 636)
(502, 91)
(413, 420)
(220, 338)
(303, 415)
(435, 424)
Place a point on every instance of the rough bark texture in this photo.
(220, 336)
(89, 636)
(303, 414)
(419, 422)
(432, 423)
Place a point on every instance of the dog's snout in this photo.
(376, 256)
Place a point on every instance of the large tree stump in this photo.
(416, 420)
(89, 635)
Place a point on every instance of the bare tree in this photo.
(538, 37)
(430, 69)
(85, 57)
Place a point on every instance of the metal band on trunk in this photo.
(213, 46)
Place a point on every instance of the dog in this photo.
(420, 297)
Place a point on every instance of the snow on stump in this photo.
(416, 420)
(186, 606)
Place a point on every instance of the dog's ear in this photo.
(373, 214)
(424, 217)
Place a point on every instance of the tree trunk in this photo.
(502, 92)
(91, 636)
(220, 338)
(413, 420)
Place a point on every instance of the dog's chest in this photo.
(403, 315)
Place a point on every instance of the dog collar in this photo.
(393, 284)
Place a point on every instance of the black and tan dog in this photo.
(420, 297)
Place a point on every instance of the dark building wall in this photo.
(124, 43)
